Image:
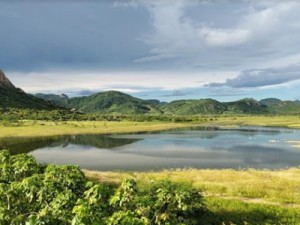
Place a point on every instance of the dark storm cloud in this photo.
(265, 77)
(70, 34)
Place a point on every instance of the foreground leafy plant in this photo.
(32, 194)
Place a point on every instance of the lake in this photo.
(213, 148)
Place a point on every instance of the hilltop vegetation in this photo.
(194, 107)
(117, 102)
(112, 102)
(278, 107)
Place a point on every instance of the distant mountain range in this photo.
(117, 102)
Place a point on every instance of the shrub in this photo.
(31, 195)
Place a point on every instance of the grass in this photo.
(271, 121)
(272, 186)
(229, 212)
(46, 128)
(232, 196)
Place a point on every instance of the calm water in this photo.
(244, 147)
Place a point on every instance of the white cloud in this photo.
(267, 29)
(224, 37)
(154, 58)
(130, 82)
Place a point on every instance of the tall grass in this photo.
(279, 186)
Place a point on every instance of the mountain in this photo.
(211, 106)
(276, 106)
(12, 97)
(194, 107)
(112, 102)
(5, 82)
(270, 101)
(105, 102)
(246, 106)
(59, 100)
(118, 102)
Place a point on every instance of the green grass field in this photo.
(46, 128)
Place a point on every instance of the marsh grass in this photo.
(231, 196)
(272, 121)
(229, 212)
(279, 186)
(52, 128)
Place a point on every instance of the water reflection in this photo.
(24, 145)
(199, 148)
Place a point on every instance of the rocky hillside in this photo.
(12, 97)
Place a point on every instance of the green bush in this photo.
(32, 194)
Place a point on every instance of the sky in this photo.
(153, 49)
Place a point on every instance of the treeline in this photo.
(14, 116)
(11, 115)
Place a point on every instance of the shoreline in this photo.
(28, 128)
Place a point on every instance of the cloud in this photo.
(179, 36)
(68, 34)
(154, 58)
(223, 37)
(159, 45)
(262, 77)
(129, 82)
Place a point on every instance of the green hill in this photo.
(112, 102)
(118, 102)
(193, 107)
(269, 101)
(276, 106)
(246, 106)
(12, 97)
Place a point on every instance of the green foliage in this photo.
(31, 194)
(114, 105)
